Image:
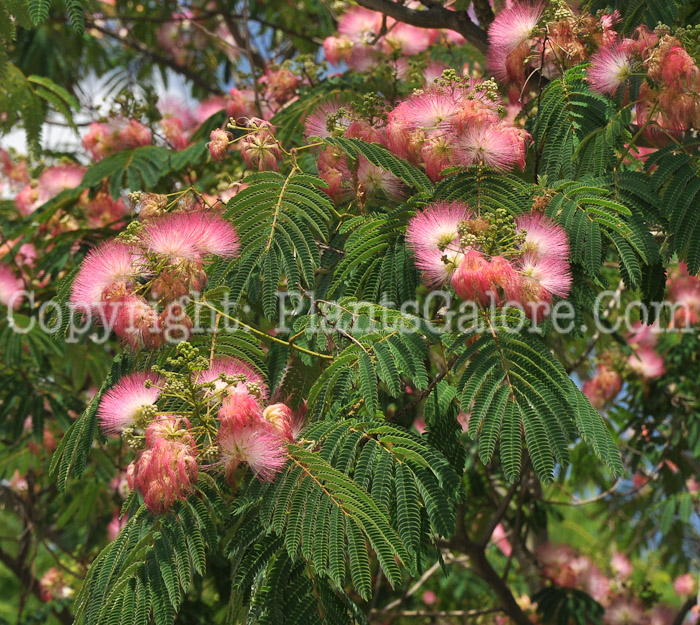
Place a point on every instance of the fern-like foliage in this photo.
(567, 606)
(512, 385)
(674, 175)
(568, 112)
(144, 575)
(279, 220)
(353, 491)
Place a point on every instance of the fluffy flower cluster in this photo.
(115, 277)
(645, 361)
(53, 585)
(526, 268)
(517, 37)
(50, 183)
(604, 386)
(611, 587)
(684, 293)
(103, 139)
(443, 126)
(249, 430)
(166, 470)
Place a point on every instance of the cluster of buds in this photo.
(259, 147)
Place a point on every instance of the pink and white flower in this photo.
(122, 406)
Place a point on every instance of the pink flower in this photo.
(429, 597)
(115, 526)
(174, 132)
(624, 611)
(500, 539)
(315, 124)
(133, 135)
(53, 585)
(218, 144)
(433, 236)
(359, 24)
(208, 107)
(190, 236)
(255, 445)
(621, 565)
(610, 67)
(493, 146)
(166, 471)
(375, 179)
(337, 49)
(11, 287)
(553, 275)
(472, 280)
(122, 405)
(225, 366)
(603, 387)
(544, 238)
(409, 40)
(281, 417)
(684, 585)
(135, 321)
(259, 148)
(108, 270)
(242, 408)
(239, 103)
(514, 26)
(647, 363)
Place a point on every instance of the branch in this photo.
(499, 514)
(434, 17)
(134, 43)
(687, 607)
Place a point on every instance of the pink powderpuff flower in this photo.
(646, 363)
(135, 321)
(678, 69)
(208, 107)
(166, 472)
(544, 238)
(99, 141)
(278, 85)
(60, 177)
(257, 446)
(174, 132)
(643, 335)
(337, 49)
(624, 611)
(241, 408)
(504, 279)
(363, 130)
(494, 146)
(232, 367)
(553, 275)
(53, 586)
(472, 280)
(437, 155)
(684, 585)
(500, 539)
(621, 565)
(514, 26)
(134, 135)
(172, 106)
(434, 238)
(122, 405)
(102, 211)
(259, 148)
(315, 124)
(116, 525)
(610, 67)
(240, 103)
(375, 179)
(190, 236)
(218, 144)
(360, 25)
(11, 288)
(509, 66)
(408, 40)
(429, 597)
(281, 417)
(107, 271)
(603, 387)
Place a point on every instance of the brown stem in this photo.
(685, 608)
(434, 17)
